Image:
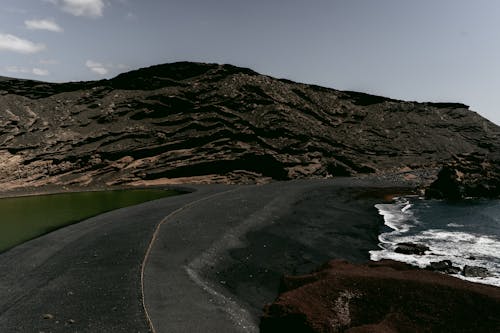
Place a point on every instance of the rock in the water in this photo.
(386, 296)
(411, 248)
(443, 266)
(475, 271)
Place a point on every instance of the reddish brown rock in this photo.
(386, 296)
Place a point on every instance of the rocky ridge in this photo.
(384, 296)
(219, 123)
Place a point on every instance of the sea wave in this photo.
(397, 215)
(450, 242)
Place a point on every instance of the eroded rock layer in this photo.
(214, 122)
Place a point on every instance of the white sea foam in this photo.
(462, 248)
(398, 215)
(455, 225)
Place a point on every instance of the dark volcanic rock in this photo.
(470, 175)
(443, 266)
(475, 271)
(381, 297)
(219, 123)
(411, 248)
(448, 185)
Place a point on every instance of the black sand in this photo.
(214, 269)
(214, 264)
(84, 277)
(324, 223)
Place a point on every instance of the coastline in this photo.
(55, 189)
(459, 238)
(336, 222)
(214, 265)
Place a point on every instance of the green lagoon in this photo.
(24, 218)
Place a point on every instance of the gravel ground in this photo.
(214, 257)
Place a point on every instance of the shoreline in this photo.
(32, 215)
(299, 242)
(404, 228)
(83, 277)
(205, 248)
(48, 190)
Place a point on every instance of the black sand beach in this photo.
(217, 257)
(321, 223)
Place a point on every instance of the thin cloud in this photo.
(46, 24)
(16, 69)
(86, 8)
(97, 67)
(25, 70)
(48, 62)
(40, 71)
(13, 43)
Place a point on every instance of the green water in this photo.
(24, 218)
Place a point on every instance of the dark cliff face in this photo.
(470, 175)
(219, 121)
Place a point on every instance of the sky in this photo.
(426, 50)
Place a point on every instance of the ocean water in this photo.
(466, 232)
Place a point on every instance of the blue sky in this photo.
(426, 50)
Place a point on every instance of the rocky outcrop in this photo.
(411, 248)
(470, 175)
(209, 122)
(385, 296)
(475, 271)
(443, 266)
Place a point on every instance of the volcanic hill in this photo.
(222, 123)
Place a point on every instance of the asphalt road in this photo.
(205, 261)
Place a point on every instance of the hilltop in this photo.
(219, 123)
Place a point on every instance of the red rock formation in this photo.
(385, 296)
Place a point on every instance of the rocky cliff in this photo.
(214, 122)
(470, 175)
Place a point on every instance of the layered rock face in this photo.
(218, 123)
(470, 175)
(384, 296)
